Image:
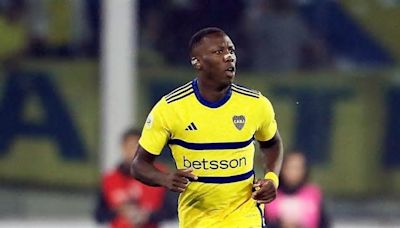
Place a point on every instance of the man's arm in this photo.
(143, 169)
(273, 155)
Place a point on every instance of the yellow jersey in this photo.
(216, 139)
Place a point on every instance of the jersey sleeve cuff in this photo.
(150, 150)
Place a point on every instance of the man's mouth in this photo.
(230, 69)
(230, 72)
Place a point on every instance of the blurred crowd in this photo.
(270, 35)
(42, 28)
(71, 28)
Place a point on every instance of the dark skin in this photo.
(216, 53)
(216, 59)
(273, 156)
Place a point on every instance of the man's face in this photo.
(216, 54)
(294, 169)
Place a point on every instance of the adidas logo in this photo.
(191, 127)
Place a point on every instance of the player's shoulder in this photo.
(179, 93)
(246, 91)
(253, 96)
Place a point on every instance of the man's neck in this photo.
(210, 92)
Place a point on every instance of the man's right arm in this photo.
(143, 169)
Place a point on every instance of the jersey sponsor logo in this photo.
(239, 121)
(214, 164)
(149, 121)
(191, 127)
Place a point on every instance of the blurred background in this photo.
(71, 68)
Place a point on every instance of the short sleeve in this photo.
(155, 132)
(268, 126)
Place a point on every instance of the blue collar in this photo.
(209, 104)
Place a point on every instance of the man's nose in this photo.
(229, 57)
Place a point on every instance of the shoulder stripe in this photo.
(178, 89)
(182, 91)
(245, 89)
(245, 93)
(221, 180)
(178, 98)
(210, 146)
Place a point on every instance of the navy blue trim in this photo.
(209, 104)
(210, 146)
(178, 98)
(222, 180)
(246, 94)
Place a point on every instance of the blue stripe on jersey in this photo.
(210, 146)
(221, 180)
(208, 103)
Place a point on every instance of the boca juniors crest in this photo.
(239, 121)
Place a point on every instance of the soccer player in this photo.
(210, 125)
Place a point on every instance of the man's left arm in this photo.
(265, 189)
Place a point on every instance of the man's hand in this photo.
(179, 180)
(265, 191)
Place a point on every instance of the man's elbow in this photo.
(133, 168)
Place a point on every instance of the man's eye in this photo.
(232, 51)
(218, 52)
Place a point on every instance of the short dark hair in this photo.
(130, 132)
(196, 38)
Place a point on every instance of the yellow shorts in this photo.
(239, 219)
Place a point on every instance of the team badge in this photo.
(149, 121)
(239, 121)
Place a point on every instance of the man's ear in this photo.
(195, 63)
